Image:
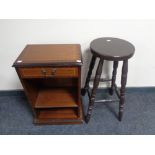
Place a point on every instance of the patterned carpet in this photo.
(139, 116)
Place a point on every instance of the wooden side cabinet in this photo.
(51, 78)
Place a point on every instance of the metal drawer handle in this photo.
(43, 71)
(53, 71)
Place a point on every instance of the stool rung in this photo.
(104, 101)
(101, 80)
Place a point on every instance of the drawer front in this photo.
(41, 72)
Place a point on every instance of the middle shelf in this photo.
(56, 98)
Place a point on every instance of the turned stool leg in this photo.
(92, 63)
(122, 90)
(95, 86)
(115, 65)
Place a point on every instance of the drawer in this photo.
(41, 72)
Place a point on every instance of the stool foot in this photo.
(120, 116)
(83, 91)
(87, 118)
(111, 92)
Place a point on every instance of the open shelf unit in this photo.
(54, 100)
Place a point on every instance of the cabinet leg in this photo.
(95, 86)
(115, 65)
(91, 66)
(122, 90)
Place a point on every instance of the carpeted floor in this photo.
(139, 116)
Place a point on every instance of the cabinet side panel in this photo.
(30, 89)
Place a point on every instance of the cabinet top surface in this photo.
(49, 54)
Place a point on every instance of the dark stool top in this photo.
(112, 48)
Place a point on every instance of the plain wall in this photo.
(15, 34)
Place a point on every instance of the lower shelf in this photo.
(57, 121)
(59, 116)
(65, 113)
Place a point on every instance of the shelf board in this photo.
(56, 98)
(59, 116)
(66, 113)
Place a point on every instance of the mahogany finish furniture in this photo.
(111, 49)
(51, 78)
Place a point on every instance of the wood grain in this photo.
(51, 78)
(56, 97)
(49, 54)
(41, 72)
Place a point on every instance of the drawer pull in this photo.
(53, 71)
(43, 71)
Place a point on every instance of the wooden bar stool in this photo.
(111, 49)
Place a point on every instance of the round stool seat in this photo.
(112, 48)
